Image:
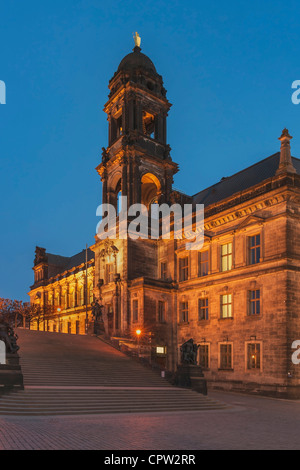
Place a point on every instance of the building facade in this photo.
(64, 289)
(237, 297)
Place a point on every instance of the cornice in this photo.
(239, 209)
(287, 181)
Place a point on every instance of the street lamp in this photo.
(138, 334)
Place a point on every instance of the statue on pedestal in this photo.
(8, 336)
(189, 352)
(97, 315)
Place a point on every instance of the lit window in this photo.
(65, 301)
(81, 295)
(226, 257)
(253, 356)
(226, 306)
(72, 296)
(254, 249)
(91, 294)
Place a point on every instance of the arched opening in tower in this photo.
(150, 189)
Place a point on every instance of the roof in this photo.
(242, 180)
(66, 263)
(136, 60)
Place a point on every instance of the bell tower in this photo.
(137, 160)
(135, 164)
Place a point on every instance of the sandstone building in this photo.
(237, 297)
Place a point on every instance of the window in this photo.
(183, 269)
(254, 249)
(161, 311)
(119, 126)
(135, 310)
(116, 126)
(65, 299)
(109, 272)
(253, 356)
(203, 309)
(163, 270)
(203, 263)
(81, 295)
(56, 300)
(226, 257)
(204, 356)
(184, 312)
(225, 356)
(148, 124)
(119, 202)
(90, 294)
(226, 306)
(72, 297)
(254, 302)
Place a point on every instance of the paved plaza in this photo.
(250, 423)
(82, 394)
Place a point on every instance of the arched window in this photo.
(150, 188)
(149, 124)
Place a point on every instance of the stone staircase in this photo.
(69, 375)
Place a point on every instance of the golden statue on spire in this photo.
(137, 40)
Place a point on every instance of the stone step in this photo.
(16, 405)
(71, 375)
(97, 411)
(154, 397)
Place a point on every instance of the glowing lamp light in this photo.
(138, 332)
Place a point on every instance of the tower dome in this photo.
(136, 60)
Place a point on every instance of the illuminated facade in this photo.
(237, 297)
(63, 287)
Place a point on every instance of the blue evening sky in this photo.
(228, 67)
